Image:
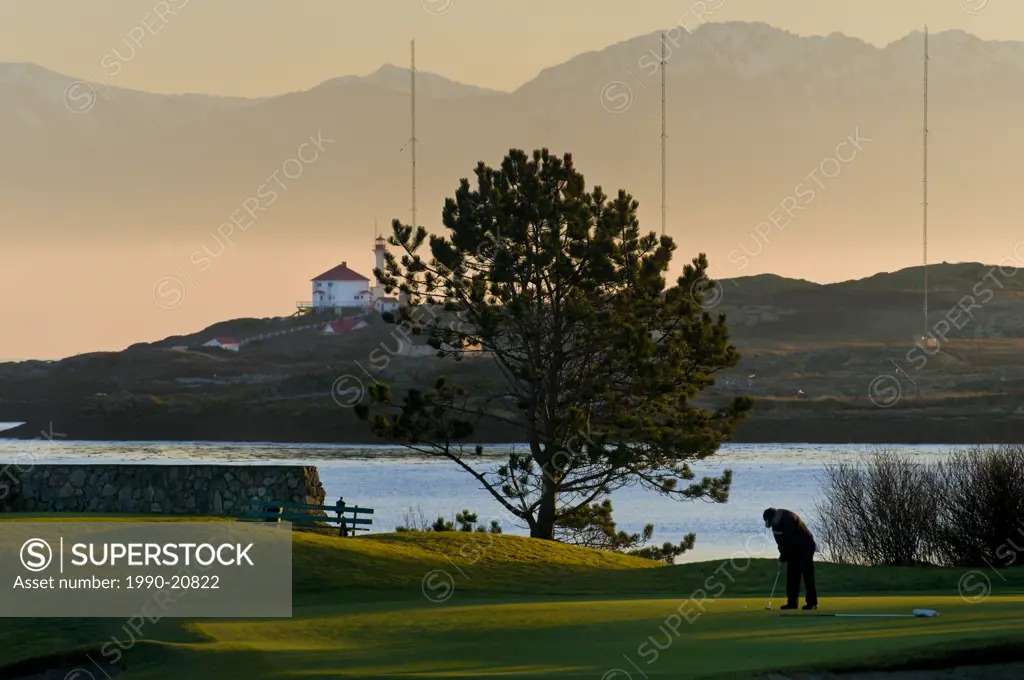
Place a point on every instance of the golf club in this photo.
(770, 597)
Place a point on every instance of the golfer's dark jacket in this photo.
(792, 536)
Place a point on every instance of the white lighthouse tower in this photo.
(380, 300)
(378, 258)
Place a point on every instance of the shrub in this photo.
(966, 511)
(981, 507)
(879, 510)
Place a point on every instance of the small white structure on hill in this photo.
(230, 344)
(386, 304)
(345, 326)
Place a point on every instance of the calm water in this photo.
(391, 482)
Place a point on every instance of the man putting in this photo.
(796, 549)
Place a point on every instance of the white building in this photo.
(230, 344)
(340, 288)
(345, 326)
(386, 304)
(343, 288)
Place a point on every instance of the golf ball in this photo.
(744, 606)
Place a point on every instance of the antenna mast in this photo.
(413, 77)
(663, 135)
(925, 181)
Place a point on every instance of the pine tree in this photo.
(601, 362)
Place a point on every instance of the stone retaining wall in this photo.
(163, 489)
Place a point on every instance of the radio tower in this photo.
(925, 182)
(412, 70)
(663, 135)
(412, 140)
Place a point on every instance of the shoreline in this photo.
(384, 445)
(789, 428)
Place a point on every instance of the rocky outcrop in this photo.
(162, 489)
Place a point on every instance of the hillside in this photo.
(965, 301)
(833, 362)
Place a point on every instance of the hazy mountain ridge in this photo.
(750, 87)
(428, 84)
(41, 97)
(755, 50)
(140, 181)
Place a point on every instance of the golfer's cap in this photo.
(768, 514)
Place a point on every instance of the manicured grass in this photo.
(556, 638)
(516, 607)
(588, 638)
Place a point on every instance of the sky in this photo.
(269, 47)
(266, 47)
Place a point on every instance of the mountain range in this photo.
(94, 178)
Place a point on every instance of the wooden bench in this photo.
(298, 513)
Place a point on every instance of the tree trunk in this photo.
(545, 526)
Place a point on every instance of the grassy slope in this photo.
(525, 609)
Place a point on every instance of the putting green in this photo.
(634, 638)
(519, 608)
(656, 638)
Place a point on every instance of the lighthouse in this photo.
(378, 258)
(381, 301)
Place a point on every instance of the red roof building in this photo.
(344, 326)
(343, 288)
(339, 288)
(224, 343)
(340, 273)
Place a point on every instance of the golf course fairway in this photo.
(436, 605)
